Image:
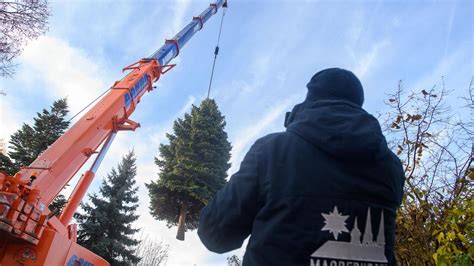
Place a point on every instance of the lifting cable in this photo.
(98, 97)
(216, 52)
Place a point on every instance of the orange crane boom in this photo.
(29, 233)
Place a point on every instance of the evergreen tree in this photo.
(6, 164)
(57, 205)
(106, 226)
(193, 167)
(23, 148)
(27, 143)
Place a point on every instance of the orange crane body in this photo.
(29, 234)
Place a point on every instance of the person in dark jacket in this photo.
(325, 192)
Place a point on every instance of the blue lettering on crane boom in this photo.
(136, 89)
(75, 261)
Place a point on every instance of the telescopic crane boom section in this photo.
(29, 233)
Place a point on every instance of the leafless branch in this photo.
(436, 149)
(20, 21)
(151, 252)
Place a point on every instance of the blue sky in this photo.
(269, 51)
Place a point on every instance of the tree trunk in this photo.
(182, 221)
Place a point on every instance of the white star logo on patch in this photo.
(335, 223)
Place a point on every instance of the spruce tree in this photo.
(27, 143)
(57, 205)
(105, 227)
(6, 164)
(193, 167)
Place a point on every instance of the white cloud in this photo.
(450, 26)
(368, 60)
(166, 127)
(60, 70)
(251, 133)
(180, 10)
(65, 70)
(445, 67)
(186, 106)
(9, 118)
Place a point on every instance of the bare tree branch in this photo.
(20, 22)
(151, 252)
(436, 149)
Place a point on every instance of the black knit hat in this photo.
(335, 84)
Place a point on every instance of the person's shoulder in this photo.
(398, 166)
(270, 138)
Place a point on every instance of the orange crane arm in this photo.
(24, 196)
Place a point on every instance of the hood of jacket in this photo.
(339, 128)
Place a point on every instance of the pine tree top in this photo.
(105, 227)
(27, 143)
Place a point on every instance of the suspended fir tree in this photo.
(27, 143)
(193, 167)
(105, 227)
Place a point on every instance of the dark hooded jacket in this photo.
(313, 194)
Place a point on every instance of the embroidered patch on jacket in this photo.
(355, 252)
